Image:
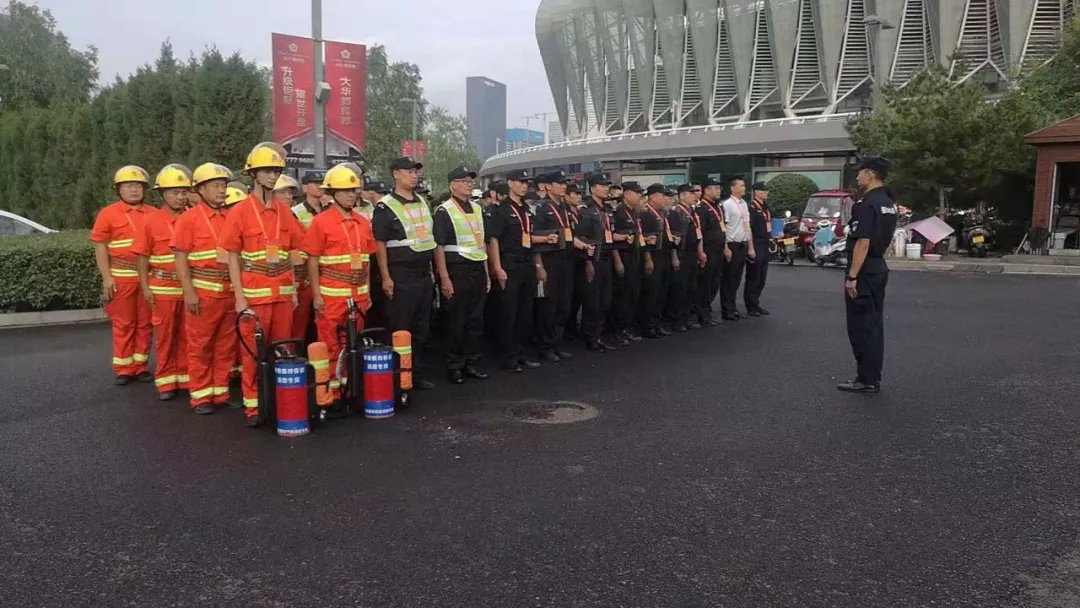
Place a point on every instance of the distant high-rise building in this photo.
(555, 132)
(517, 139)
(485, 113)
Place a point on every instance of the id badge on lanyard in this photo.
(523, 223)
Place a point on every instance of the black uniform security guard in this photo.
(757, 270)
(686, 232)
(461, 263)
(552, 219)
(626, 290)
(656, 261)
(873, 221)
(510, 259)
(577, 262)
(714, 239)
(402, 226)
(595, 233)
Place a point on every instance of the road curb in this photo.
(978, 268)
(14, 320)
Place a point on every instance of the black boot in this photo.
(456, 376)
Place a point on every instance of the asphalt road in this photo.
(724, 470)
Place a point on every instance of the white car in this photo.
(17, 225)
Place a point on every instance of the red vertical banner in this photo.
(294, 102)
(346, 73)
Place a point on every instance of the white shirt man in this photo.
(738, 220)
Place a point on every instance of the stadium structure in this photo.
(640, 79)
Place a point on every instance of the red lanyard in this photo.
(690, 214)
(558, 215)
(629, 215)
(356, 231)
(572, 216)
(714, 211)
(206, 218)
(607, 220)
(524, 222)
(765, 212)
(258, 216)
(667, 227)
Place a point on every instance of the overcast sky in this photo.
(448, 39)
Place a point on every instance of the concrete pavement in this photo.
(724, 470)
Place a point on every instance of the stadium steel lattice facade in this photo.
(625, 66)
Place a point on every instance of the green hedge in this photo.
(48, 272)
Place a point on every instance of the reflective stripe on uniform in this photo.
(343, 292)
(286, 290)
(330, 260)
(323, 364)
(166, 291)
(208, 285)
(118, 272)
(140, 358)
(198, 256)
(166, 380)
(120, 243)
(220, 390)
(162, 259)
(258, 293)
(253, 256)
(202, 393)
(403, 350)
(122, 360)
(251, 403)
(405, 243)
(334, 384)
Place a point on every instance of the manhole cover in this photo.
(551, 412)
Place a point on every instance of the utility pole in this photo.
(878, 58)
(319, 94)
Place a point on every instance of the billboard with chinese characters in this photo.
(415, 149)
(292, 82)
(346, 73)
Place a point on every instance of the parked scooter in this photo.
(978, 238)
(829, 249)
(783, 247)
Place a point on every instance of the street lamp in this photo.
(874, 26)
(415, 114)
(320, 89)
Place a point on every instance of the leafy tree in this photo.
(447, 147)
(789, 192)
(42, 68)
(389, 120)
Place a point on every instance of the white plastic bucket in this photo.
(1059, 239)
(899, 242)
(914, 251)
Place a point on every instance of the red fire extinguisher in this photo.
(285, 381)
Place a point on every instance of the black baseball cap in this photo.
(501, 188)
(573, 189)
(553, 177)
(686, 188)
(380, 187)
(521, 175)
(656, 189)
(877, 164)
(313, 177)
(597, 179)
(531, 195)
(711, 182)
(761, 186)
(460, 173)
(632, 187)
(406, 162)
(670, 192)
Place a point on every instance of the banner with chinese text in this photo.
(294, 103)
(346, 73)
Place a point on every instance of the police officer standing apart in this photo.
(403, 230)
(873, 221)
(628, 258)
(514, 270)
(461, 262)
(757, 269)
(553, 239)
(594, 231)
(714, 239)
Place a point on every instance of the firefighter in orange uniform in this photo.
(113, 235)
(201, 266)
(235, 193)
(339, 246)
(161, 286)
(285, 191)
(258, 237)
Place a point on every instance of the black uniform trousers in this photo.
(577, 295)
(626, 290)
(654, 290)
(464, 314)
(683, 285)
(410, 310)
(708, 283)
(552, 309)
(516, 310)
(866, 325)
(596, 299)
(756, 273)
(732, 276)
